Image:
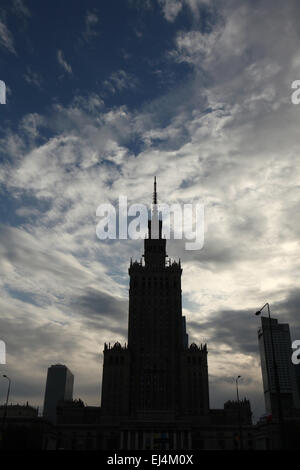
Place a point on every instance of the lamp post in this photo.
(6, 405)
(237, 388)
(277, 385)
(239, 412)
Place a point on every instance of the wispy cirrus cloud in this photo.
(6, 38)
(120, 80)
(21, 9)
(171, 8)
(91, 23)
(61, 60)
(33, 77)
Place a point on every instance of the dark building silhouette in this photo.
(24, 429)
(286, 370)
(59, 387)
(17, 411)
(156, 372)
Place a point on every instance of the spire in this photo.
(155, 245)
(154, 192)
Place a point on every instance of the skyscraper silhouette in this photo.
(286, 370)
(157, 375)
(59, 387)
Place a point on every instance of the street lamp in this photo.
(277, 385)
(239, 411)
(6, 405)
(237, 388)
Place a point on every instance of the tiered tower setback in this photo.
(157, 374)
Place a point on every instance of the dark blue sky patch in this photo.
(28, 297)
(121, 37)
(17, 209)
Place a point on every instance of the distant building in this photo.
(238, 411)
(17, 411)
(59, 387)
(23, 428)
(286, 371)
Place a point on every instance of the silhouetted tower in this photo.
(157, 372)
(59, 387)
(155, 335)
(286, 370)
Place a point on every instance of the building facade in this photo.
(156, 372)
(59, 387)
(286, 370)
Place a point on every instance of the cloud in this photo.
(287, 310)
(33, 77)
(30, 124)
(236, 329)
(21, 9)
(97, 307)
(60, 57)
(119, 81)
(91, 22)
(171, 8)
(6, 38)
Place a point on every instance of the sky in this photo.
(102, 96)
